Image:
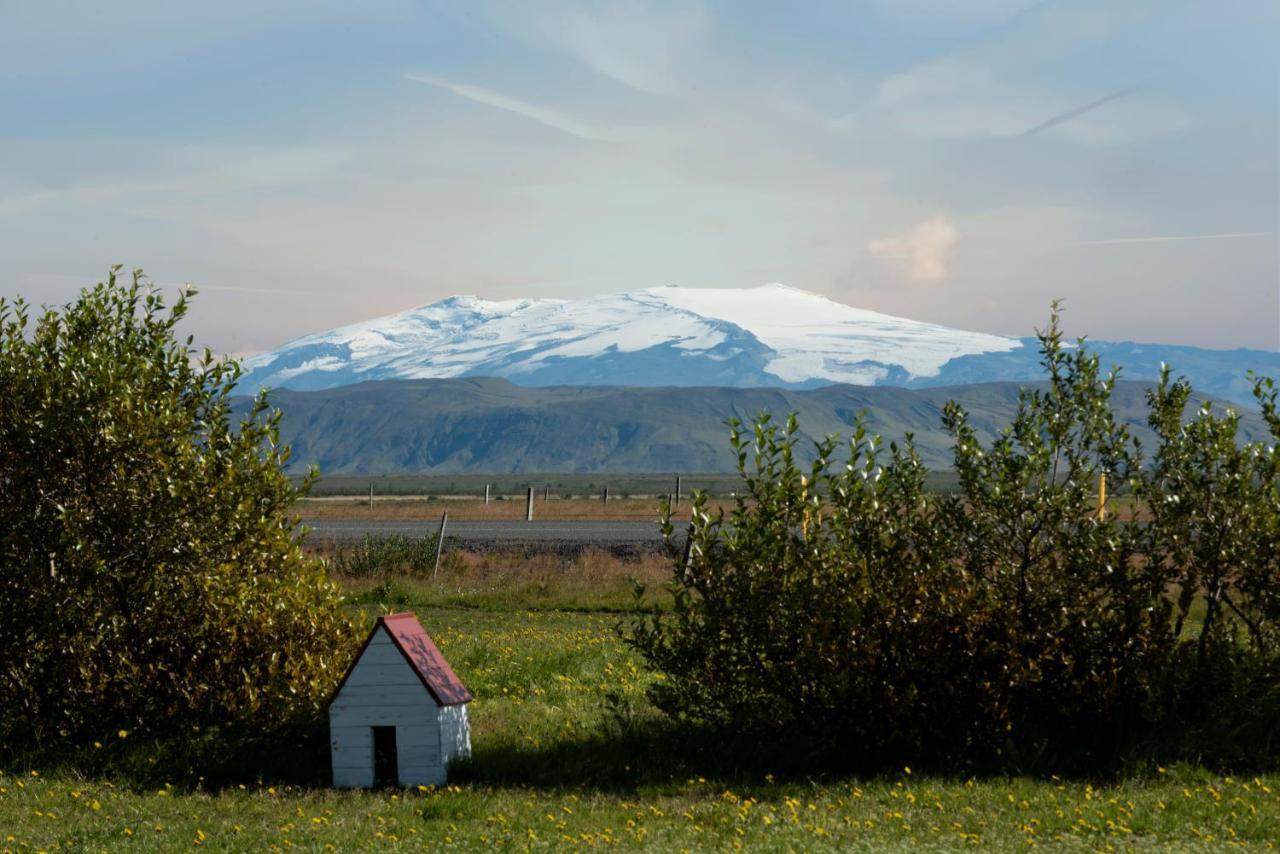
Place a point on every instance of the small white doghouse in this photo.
(399, 716)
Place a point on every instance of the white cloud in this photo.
(920, 255)
(994, 86)
(644, 46)
(637, 45)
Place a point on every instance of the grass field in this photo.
(568, 754)
(469, 508)
(460, 507)
(560, 484)
(513, 486)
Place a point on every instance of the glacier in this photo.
(770, 335)
(767, 336)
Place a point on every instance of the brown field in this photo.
(471, 508)
(425, 508)
(592, 580)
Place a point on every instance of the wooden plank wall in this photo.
(383, 690)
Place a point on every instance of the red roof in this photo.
(423, 656)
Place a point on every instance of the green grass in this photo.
(567, 753)
(589, 582)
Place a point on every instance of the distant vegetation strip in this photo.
(507, 487)
(570, 438)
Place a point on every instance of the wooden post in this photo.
(677, 501)
(546, 494)
(606, 493)
(1102, 496)
(370, 495)
(686, 561)
(444, 518)
(486, 495)
(528, 506)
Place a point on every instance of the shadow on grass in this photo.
(652, 754)
(210, 758)
(648, 752)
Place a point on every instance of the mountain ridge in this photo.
(769, 336)
(490, 425)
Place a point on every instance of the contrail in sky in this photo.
(1079, 111)
(1179, 237)
(498, 100)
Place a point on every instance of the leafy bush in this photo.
(382, 556)
(1081, 619)
(828, 607)
(1214, 537)
(1011, 625)
(1215, 516)
(150, 574)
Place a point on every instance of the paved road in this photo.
(620, 536)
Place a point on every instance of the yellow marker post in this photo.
(1102, 496)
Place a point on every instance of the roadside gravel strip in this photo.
(622, 537)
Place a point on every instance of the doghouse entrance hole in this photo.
(385, 764)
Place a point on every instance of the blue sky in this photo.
(309, 164)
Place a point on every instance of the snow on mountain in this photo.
(766, 336)
(668, 336)
(817, 338)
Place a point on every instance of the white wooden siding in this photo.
(381, 716)
(418, 749)
(382, 674)
(455, 732)
(384, 690)
(354, 778)
(351, 749)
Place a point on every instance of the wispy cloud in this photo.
(638, 45)
(1079, 111)
(649, 47)
(1175, 238)
(920, 255)
(541, 115)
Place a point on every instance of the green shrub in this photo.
(828, 609)
(381, 556)
(150, 573)
(1214, 536)
(1082, 619)
(1215, 516)
(849, 611)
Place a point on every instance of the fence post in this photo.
(444, 518)
(677, 501)
(688, 552)
(606, 494)
(546, 494)
(486, 495)
(370, 495)
(528, 506)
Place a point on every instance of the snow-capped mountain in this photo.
(767, 336)
(670, 336)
